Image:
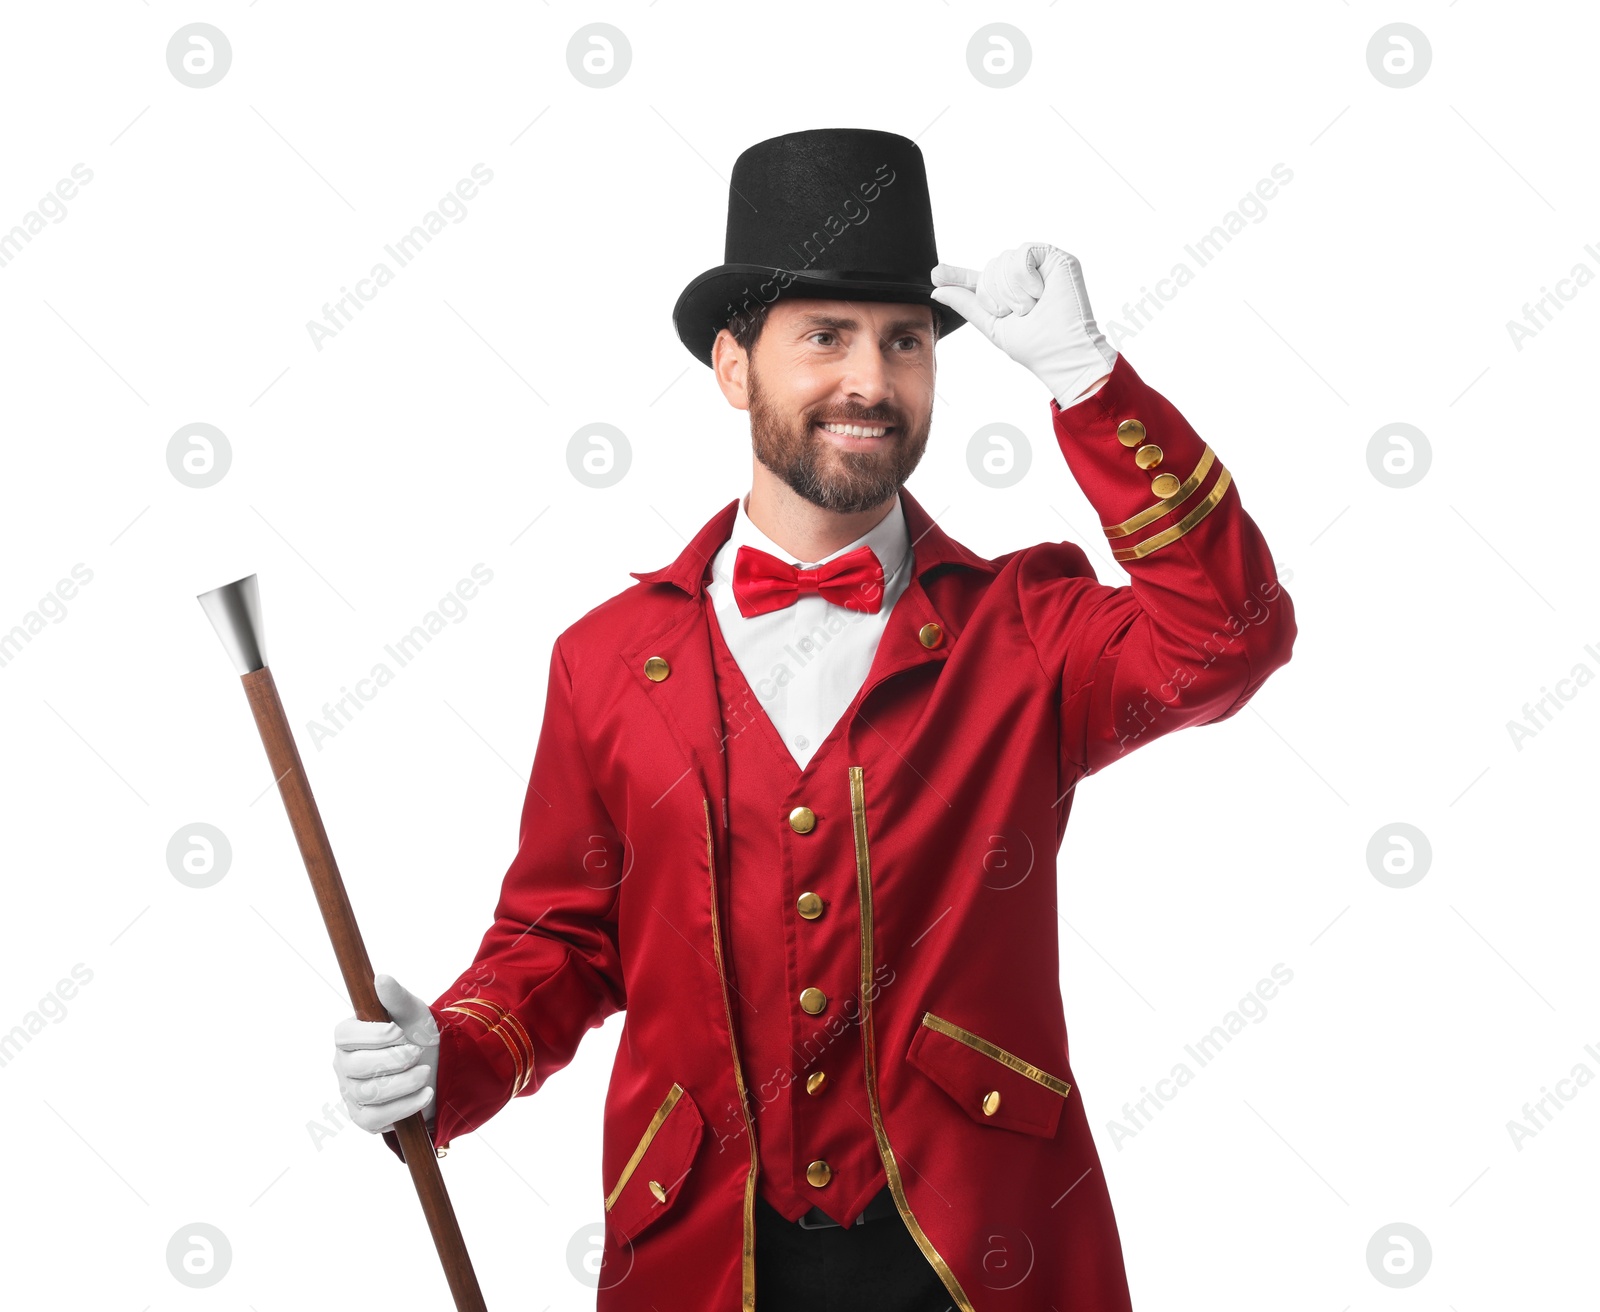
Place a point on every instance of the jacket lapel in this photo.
(901, 648)
(687, 697)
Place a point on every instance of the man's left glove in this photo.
(1031, 303)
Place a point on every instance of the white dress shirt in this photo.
(806, 662)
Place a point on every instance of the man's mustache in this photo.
(833, 416)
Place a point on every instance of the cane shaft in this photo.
(351, 951)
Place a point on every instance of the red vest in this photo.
(794, 925)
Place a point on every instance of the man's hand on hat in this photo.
(1031, 303)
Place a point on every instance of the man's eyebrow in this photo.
(813, 321)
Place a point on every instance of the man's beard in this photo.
(841, 481)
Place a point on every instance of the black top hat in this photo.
(833, 212)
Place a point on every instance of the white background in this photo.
(182, 1083)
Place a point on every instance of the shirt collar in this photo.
(889, 539)
(932, 547)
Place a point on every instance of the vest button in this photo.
(1130, 432)
(930, 635)
(816, 1082)
(991, 1102)
(802, 820)
(812, 1001)
(1147, 457)
(808, 905)
(656, 669)
(1165, 485)
(658, 1191)
(818, 1173)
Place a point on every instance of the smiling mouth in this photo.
(860, 432)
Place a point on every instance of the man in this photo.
(798, 793)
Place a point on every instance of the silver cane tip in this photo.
(234, 610)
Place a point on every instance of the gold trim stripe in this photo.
(748, 1259)
(858, 812)
(1051, 1082)
(510, 1021)
(1170, 535)
(1153, 513)
(521, 1049)
(667, 1104)
(522, 1054)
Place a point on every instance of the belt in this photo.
(882, 1205)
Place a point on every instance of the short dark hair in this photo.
(746, 326)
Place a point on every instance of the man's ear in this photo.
(731, 366)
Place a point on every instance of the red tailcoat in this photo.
(997, 685)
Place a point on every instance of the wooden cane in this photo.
(235, 611)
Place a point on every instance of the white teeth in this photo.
(855, 430)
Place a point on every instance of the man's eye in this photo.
(916, 342)
(822, 332)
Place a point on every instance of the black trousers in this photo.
(874, 1267)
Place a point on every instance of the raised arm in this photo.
(1204, 619)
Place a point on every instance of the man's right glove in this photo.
(1030, 301)
(388, 1069)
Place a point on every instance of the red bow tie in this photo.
(762, 582)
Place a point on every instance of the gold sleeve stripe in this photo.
(667, 1105)
(506, 1018)
(514, 1025)
(522, 1068)
(519, 1079)
(1170, 535)
(1184, 492)
(511, 1023)
(509, 1029)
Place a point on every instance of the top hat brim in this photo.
(704, 307)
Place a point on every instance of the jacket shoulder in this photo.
(1051, 560)
(637, 610)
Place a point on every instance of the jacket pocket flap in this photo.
(992, 1085)
(654, 1176)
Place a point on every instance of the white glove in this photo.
(388, 1069)
(1031, 303)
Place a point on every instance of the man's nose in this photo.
(866, 375)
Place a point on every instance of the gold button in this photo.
(818, 1173)
(812, 1001)
(809, 905)
(1147, 457)
(1130, 432)
(816, 1082)
(658, 1191)
(802, 820)
(656, 669)
(930, 635)
(1164, 485)
(991, 1102)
